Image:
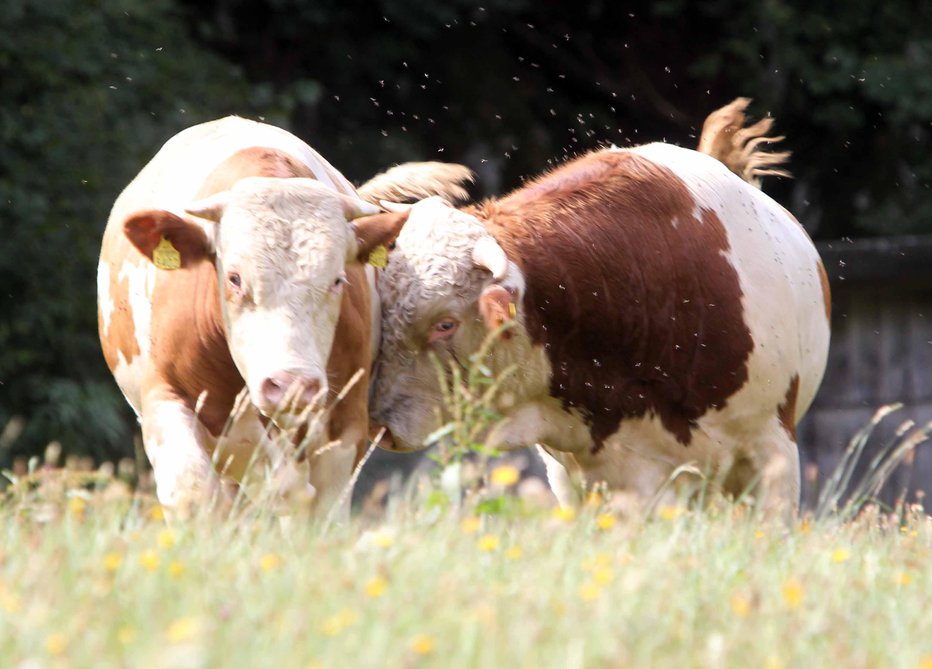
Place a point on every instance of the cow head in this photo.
(447, 284)
(280, 247)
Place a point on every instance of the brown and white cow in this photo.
(230, 261)
(666, 313)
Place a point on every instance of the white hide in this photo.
(104, 299)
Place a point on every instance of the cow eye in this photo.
(235, 280)
(340, 281)
(442, 329)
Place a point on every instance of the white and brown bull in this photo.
(665, 312)
(230, 261)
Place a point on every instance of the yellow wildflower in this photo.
(157, 513)
(840, 555)
(567, 514)
(793, 593)
(597, 561)
(423, 644)
(905, 578)
(773, 663)
(331, 627)
(270, 562)
(926, 662)
(605, 521)
(488, 543)
(376, 587)
(485, 614)
(149, 560)
(514, 553)
(505, 475)
(10, 602)
(741, 605)
(589, 591)
(77, 506)
(603, 575)
(667, 512)
(335, 624)
(112, 561)
(166, 538)
(759, 534)
(126, 634)
(383, 538)
(594, 499)
(56, 643)
(176, 568)
(470, 525)
(183, 629)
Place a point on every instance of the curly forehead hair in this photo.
(431, 262)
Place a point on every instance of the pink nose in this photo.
(290, 390)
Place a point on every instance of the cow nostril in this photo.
(285, 388)
(273, 389)
(311, 389)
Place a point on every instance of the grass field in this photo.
(95, 578)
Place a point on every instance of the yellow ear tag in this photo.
(512, 311)
(378, 257)
(166, 256)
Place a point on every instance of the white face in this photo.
(281, 250)
(429, 293)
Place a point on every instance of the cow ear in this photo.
(146, 230)
(354, 208)
(374, 231)
(210, 208)
(497, 307)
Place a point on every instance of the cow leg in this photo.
(775, 459)
(561, 483)
(174, 441)
(540, 422)
(331, 473)
(265, 466)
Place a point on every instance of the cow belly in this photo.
(642, 457)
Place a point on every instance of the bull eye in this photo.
(442, 329)
(340, 281)
(235, 280)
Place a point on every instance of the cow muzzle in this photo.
(285, 392)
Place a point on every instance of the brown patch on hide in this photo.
(253, 162)
(826, 290)
(628, 291)
(350, 417)
(787, 411)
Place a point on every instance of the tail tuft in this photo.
(725, 138)
(410, 182)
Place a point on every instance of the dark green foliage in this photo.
(90, 89)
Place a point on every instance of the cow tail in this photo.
(725, 138)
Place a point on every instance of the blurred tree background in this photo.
(89, 90)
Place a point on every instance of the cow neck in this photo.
(204, 352)
(629, 291)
